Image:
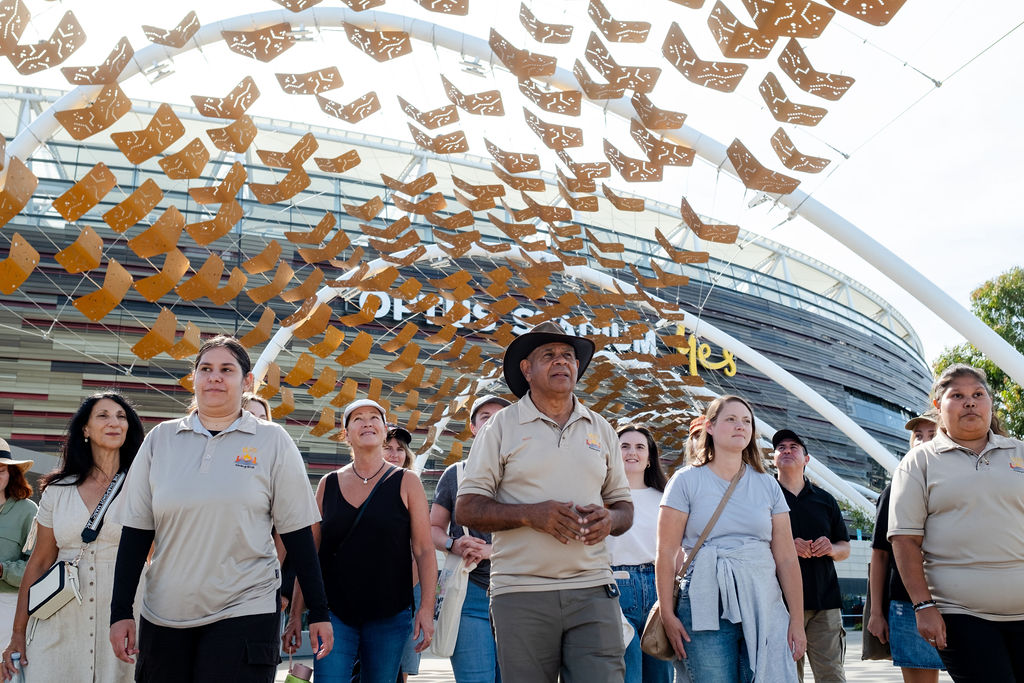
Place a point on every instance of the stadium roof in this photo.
(753, 261)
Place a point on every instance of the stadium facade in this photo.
(844, 341)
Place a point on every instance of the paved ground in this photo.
(436, 670)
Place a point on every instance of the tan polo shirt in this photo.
(970, 510)
(212, 501)
(522, 456)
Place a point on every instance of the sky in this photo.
(940, 186)
(933, 172)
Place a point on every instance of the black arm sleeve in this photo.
(303, 558)
(131, 558)
(879, 540)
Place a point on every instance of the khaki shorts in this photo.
(575, 634)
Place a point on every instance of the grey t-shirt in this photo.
(444, 495)
(747, 516)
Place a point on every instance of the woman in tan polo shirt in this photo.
(205, 491)
(957, 531)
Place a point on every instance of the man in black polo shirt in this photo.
(821, 539)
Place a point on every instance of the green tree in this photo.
(999, 303)
(858, 518)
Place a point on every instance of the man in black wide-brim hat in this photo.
(546, 478)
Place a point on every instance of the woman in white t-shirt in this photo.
(633, 552)
(730, 621)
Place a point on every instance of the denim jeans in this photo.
(636, 597)
(714, 656)
(376, 644)
(410, 663)
(909, 648)
(475, 659)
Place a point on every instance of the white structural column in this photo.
(741, 350)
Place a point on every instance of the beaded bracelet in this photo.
(924, 604)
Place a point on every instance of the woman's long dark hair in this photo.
(76, 456)
(654, 476)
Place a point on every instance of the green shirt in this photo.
(16, 517)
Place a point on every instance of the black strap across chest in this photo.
(362, 508)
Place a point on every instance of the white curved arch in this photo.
(766, 366)
(799, 203)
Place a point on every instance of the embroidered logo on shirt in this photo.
(1017, 464)
(247, 459)
(593, 443)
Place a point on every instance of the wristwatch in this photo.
(448, 544)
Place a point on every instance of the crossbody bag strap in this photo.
(362, 508)
(711, 522)
(95, 523)
(460, 469)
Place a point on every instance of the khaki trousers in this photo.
(826, 645)
(575, 634)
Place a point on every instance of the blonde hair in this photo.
(690, 449)
(249, 397)
(697, 425)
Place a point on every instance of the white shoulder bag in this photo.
(59, 585)
(452, 583)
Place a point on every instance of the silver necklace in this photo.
(366, 480)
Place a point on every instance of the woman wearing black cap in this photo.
(396, 447)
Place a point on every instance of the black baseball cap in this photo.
(784, 434)
(396, 432)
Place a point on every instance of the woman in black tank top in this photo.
(373, 513)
